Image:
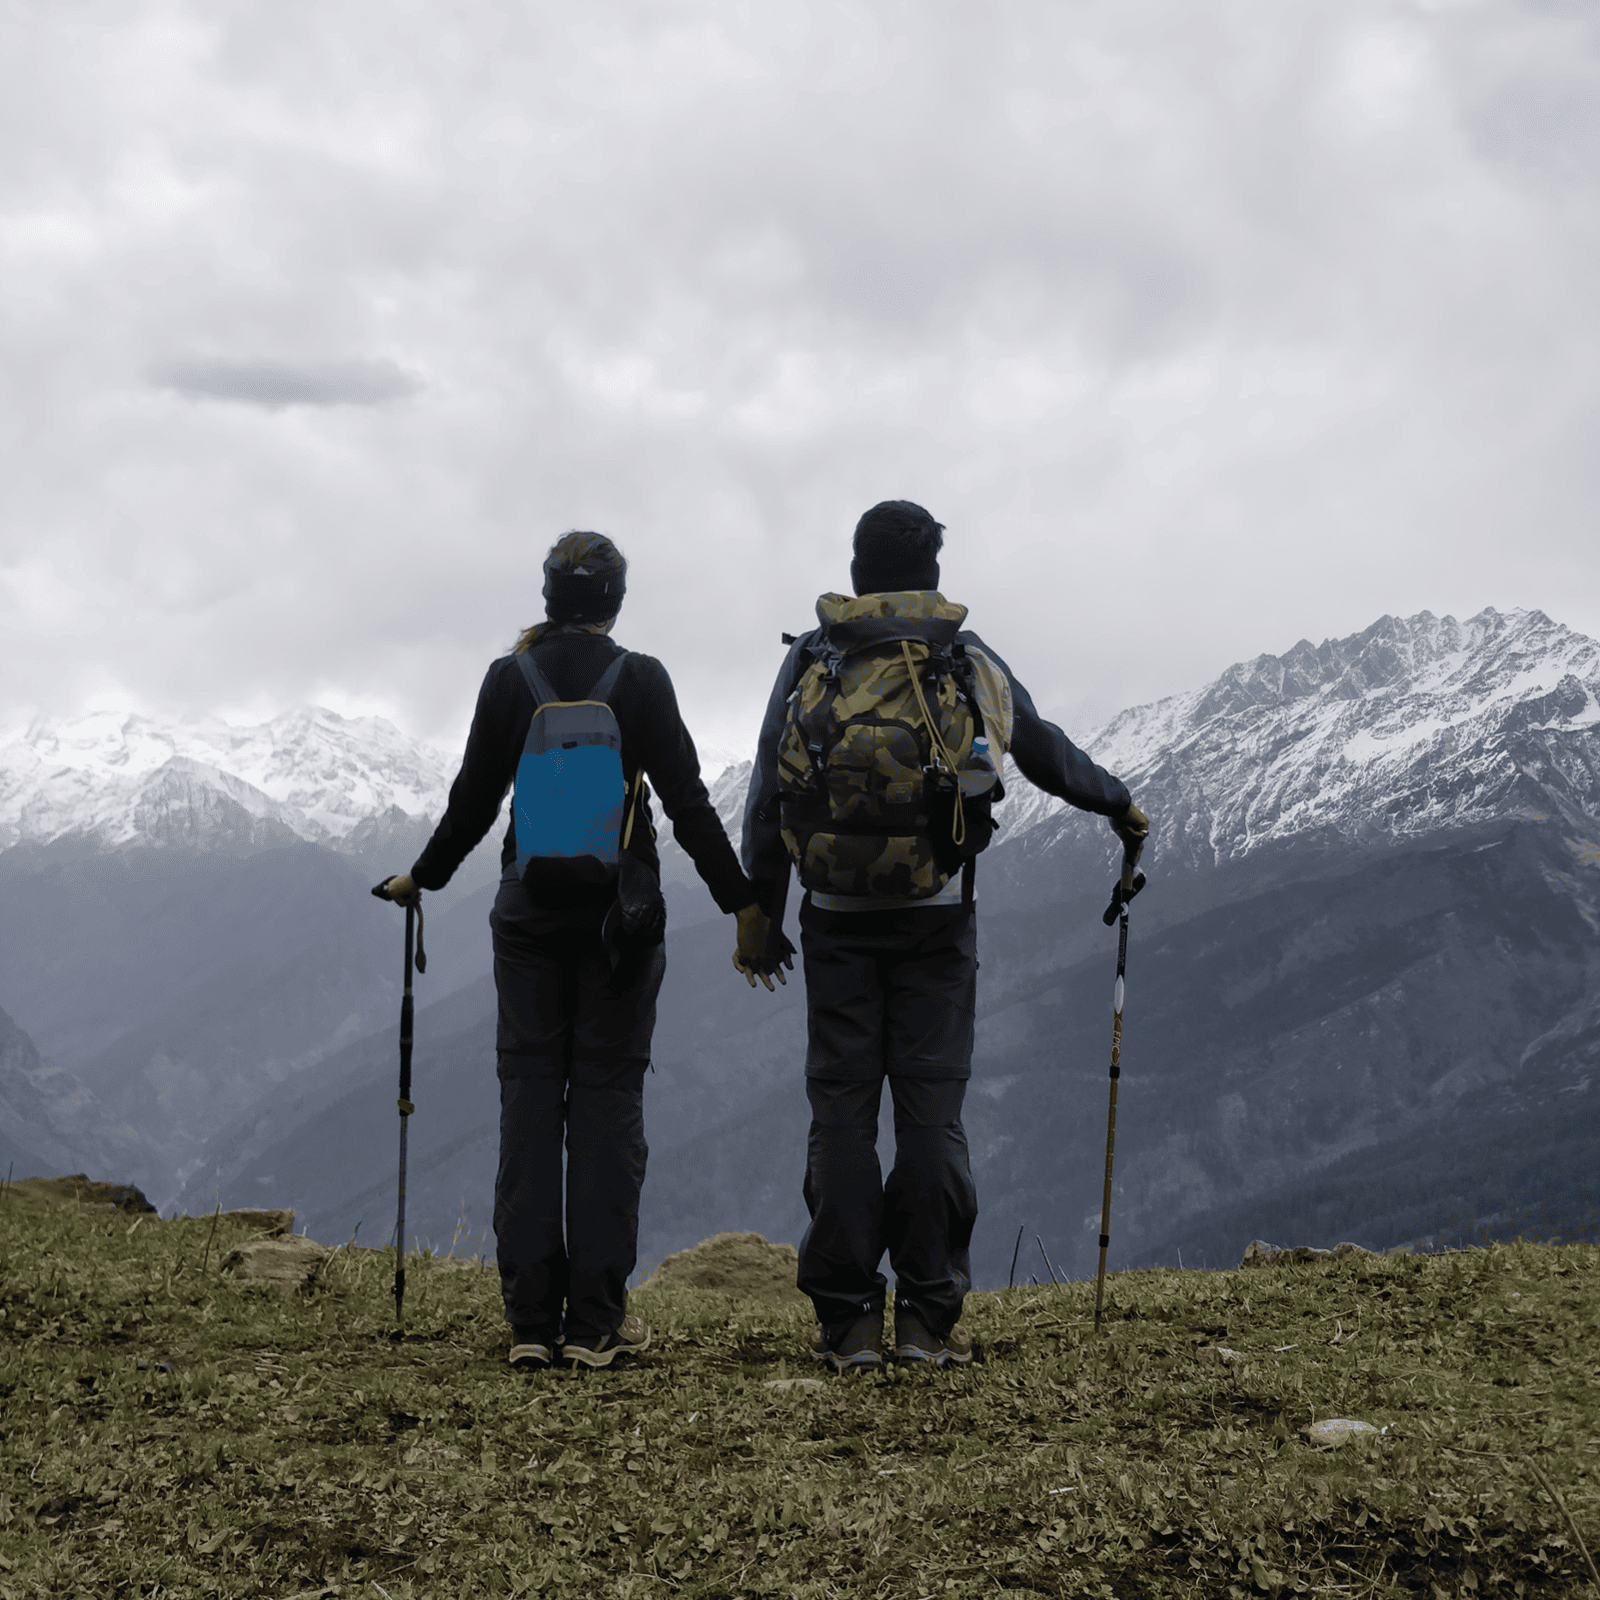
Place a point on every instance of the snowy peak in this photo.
(1413, 725)
(308, 774)
(1491, 656)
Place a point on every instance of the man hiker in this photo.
(876, 768)
(573, 720)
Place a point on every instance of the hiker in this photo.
(578, 956)
(876, 770)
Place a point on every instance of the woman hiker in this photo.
(578, 964)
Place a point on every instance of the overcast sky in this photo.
(1204, 326)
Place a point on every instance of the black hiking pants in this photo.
(889, 994)
(573, 1043)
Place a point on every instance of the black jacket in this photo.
(1044, 755)
(653, 737)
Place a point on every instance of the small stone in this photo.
(283, 1264)
(1227, 1356)
(1336, 1430)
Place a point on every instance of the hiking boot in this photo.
(860, 1349)
(530, 1349)
(631, 1337)
(913, 1342)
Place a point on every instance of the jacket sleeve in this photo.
(487, 770)
(664, 749)
(1048, 759)
(766, 857)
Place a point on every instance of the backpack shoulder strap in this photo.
(538, 684)
(607, 681)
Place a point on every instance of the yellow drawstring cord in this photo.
(958, 823)
(627, 832)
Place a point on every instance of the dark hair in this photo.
(585, 578)
(897, 546)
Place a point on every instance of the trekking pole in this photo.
(1126, 887)
(413, 915)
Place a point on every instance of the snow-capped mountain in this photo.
(309, 773)
(1414, 725)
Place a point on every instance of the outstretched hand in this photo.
(753, 955)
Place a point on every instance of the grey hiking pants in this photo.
(889, 994)
(573, 1043)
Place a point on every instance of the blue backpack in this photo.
(571, 791)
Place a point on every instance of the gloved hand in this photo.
(400, 889)
(753, 957)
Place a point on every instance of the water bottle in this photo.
(978, 776)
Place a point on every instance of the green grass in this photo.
(165, 1430)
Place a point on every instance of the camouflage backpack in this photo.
(880, 789)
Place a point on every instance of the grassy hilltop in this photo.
(166, 1430)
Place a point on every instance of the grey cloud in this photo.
(276, 384)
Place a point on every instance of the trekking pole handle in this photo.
(1120, 896)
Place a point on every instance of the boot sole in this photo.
(911, 1355)
(529, 1357)
(861, 1361)
(580, 1357)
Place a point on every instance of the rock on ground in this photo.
(80, 1190)
(284, 1264)
(273, 1223)
(1336, 1430)
(735, 1263)
(1258, 1253)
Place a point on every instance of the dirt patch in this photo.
(81, 1191)
(734, 1263)
(1586, 851)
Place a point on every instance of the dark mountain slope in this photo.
(1374, 886)
(184, 985)
(49, 1123)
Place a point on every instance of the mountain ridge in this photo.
(1410, 726)
(123, 778)
(1368, 732)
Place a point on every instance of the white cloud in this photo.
(1203, 329)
